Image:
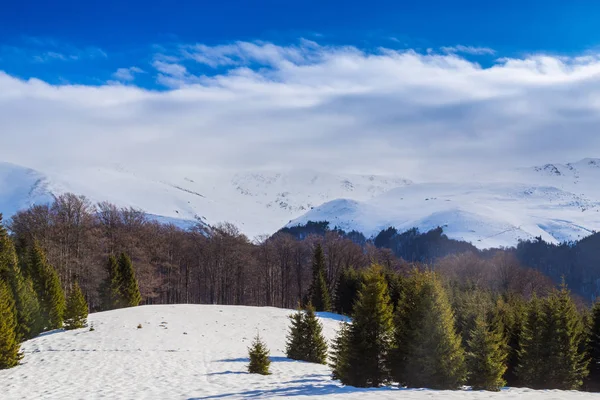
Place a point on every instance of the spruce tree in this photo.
(305, 341)
(295, 344)
(55, 299)
(26, 302)
(533, 355)
(428, 350)
(319, 293)
(110, 290)
(593, 379)
(130, 291)
(362, 357)
(487, 356)
(259, 357)
(76, 312)
(9, 345)
(347, 290)
(567, 359)
(48, 288)
(338, 360)
(508, 316)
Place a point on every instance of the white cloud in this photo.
(469, 50)
(427, 116)
(127, 74)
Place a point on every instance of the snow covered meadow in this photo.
(192, 352)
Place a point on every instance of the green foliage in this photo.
(487, 356)
(508, 317)
(129, 289)
(48, 288)
(361, 352)
(9, 344)
(110, 290)
(593, 379)
(339, 351)
(305, 340)
(77, 309)
(346, 292)
(553, 332)
(259, 357)
(26, 302)
(319, 293)
(428, 350)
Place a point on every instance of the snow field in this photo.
(192, 352)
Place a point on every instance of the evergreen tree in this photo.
(553, 332)
(9, 345)
(259, 357)
(486, 358)
(531, 370)
(568, 363)
(48, 288)
(428, 350)
(295, 345)
(76, 312)
(508, 317)
(346, 292)
(339, 351)
(362, 356)
(319, 293)
(110, 290)
(593, 379)
(26, 302)
(130, 291)
(305, 339)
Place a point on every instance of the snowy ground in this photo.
(191, 352)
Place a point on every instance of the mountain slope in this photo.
(191, 352)
(257, 202)
(557, 202)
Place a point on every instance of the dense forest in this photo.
(220, 265)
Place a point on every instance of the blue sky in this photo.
(421, 89)
(86, 42)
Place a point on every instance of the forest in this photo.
(416, 298)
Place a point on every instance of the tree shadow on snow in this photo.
(335, 317)
(302, 390)
(246, 359)
(228, 373)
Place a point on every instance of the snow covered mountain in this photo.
(557, 202)
(259, 202)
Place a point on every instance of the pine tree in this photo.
(48, 288)
(553, 332)
(55, 299)
(130, 291)
(9, 345)
(487, 357)
(346, 292)
(295, 344)
(339, 352)
(531, 371)
(110, 290)
(259, 357)
(319, 293)
(428, 350)
(567, 359)
(362, 357)
(593, 379)
(76, 312)
(26, 302)
(508, 317)
(305, 341)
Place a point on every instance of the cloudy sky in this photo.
(293, 90)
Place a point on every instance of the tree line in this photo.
(435, 336)
(33, 299)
